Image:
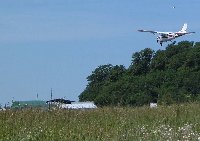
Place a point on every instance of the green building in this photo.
(29, 104)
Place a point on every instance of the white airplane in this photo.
(168, 36)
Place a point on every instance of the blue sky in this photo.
(56, 44)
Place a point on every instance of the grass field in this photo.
(177, 122)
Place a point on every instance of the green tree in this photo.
(95, 82)
(141, 61)
(159, 61)
(100, 77)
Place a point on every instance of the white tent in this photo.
(76, 105)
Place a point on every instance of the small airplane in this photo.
(168, 36)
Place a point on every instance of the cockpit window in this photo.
(164, 36)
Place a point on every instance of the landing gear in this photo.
(159, 40)
(174, 43)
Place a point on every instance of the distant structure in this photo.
(68, 104)
(52, 104)
(63, 101)
(79, 105)
(29, 104)
(153, 105)
(2, 109)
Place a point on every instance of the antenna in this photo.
(51, 93)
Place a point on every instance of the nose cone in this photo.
(158, 39)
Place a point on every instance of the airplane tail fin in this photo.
(184, 28)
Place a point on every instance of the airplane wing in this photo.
(150, 31)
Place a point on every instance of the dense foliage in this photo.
(164, 76)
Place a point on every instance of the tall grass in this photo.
(177, 122)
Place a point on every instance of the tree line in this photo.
(165, 76)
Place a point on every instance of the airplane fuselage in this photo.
(167, 37)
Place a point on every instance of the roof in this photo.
(31, 103)
(60, 101)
